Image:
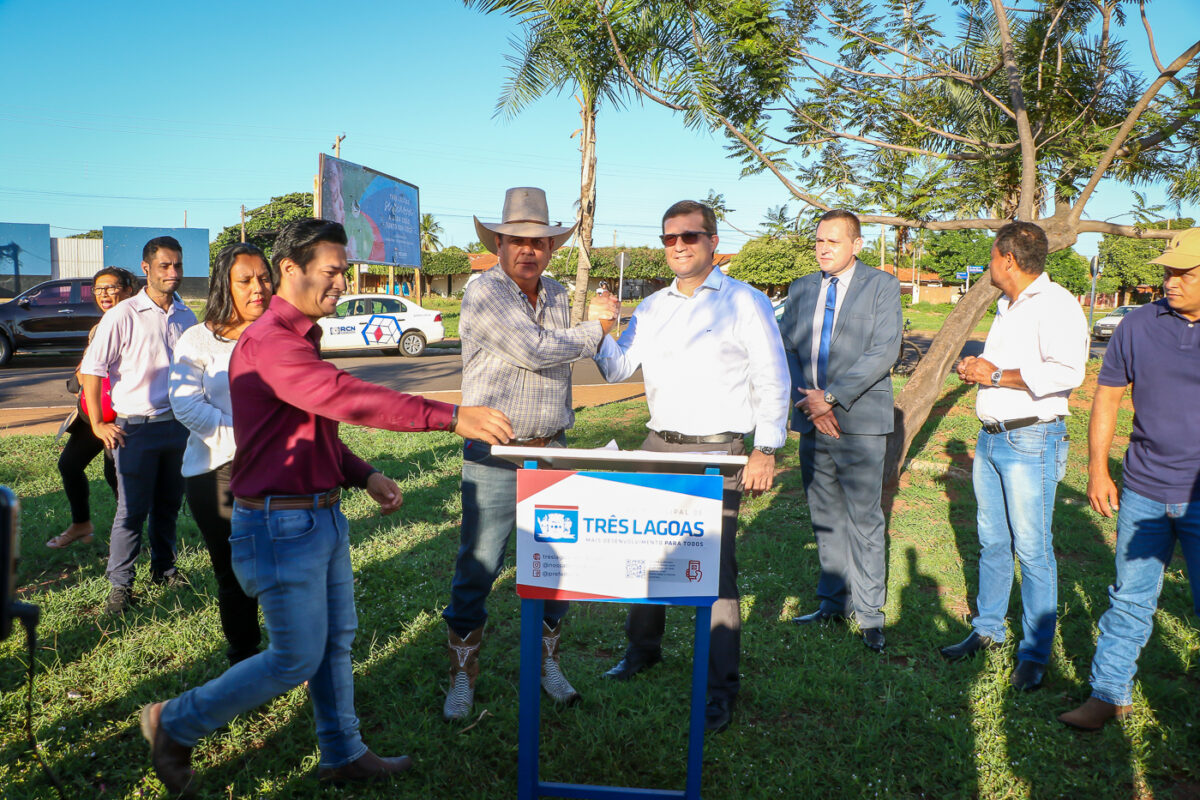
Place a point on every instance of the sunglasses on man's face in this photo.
(688, 237)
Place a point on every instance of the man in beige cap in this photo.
(518, 347)
(1156, 350)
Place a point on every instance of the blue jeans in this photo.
(149, 484)
(1146, 534)
(297, 563)
(1016, 475)
(489, 515)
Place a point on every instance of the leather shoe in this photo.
(819, 616)
(365, 768)
(967, 648)
(633, 663)
(873, 639)
(172, 761)
(1092, 715)
(718, 714)
(1027, 676)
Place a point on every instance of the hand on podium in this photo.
(483, 423)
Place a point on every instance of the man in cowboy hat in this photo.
(1156, 351)
(518, 346)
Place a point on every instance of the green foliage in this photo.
(430, 228)
(92, 234)
(773, 262)
(644, 262)
(263, 223)
(451, 261)
(476, 247)
(1070, 270)
(1126, 261)
(948, 252)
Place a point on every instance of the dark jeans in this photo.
(82, 446)
(489, 516)
(149, 484)
(211, 502)
(647, 622)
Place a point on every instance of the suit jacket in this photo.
(865, 343)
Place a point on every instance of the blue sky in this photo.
(133, 113)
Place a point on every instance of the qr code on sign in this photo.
(635, 569)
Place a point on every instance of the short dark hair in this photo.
(849, 218)
(219, 312)
(1026, 243)
(124, 277)
(685, 207)
(298, 241)
(160, 243)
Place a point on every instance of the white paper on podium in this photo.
(630, 536)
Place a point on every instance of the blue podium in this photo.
(614, 526)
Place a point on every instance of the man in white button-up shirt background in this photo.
(1035, 354)
(715, 373)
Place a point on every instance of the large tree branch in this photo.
(1025, 203)
(1096, 226)
(1046, 41)
(1127, 126)
(637, 82)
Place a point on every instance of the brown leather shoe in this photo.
(368, 767)
(172, 761)
(1092, 715)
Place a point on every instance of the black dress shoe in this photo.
(718, 714)
(633, 663)
(1027, 676)
(818, 616)
(873, 639)
(967, 647)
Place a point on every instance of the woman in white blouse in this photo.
(239, 290)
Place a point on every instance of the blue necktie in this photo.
(826, 332)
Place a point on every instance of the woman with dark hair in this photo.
(238, 293)
(110, 286)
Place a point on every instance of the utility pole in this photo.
(243, 222)
(337, 146)
(185, 218)
(1096, 270)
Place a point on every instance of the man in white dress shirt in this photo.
(715, 373)
(133, 347)
(1035, 355)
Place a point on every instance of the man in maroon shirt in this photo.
(290, 539)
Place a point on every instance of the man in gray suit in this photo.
(841, 331)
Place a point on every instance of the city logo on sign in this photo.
(556, 524)
(381, 330)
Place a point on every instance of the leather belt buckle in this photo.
(541, 441)
(292, 502)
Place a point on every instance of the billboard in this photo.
(381, 214)
(123, 248)
(24, 257)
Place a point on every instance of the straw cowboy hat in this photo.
(525, 214)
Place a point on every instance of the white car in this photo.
(380, 322)
(1104, 327)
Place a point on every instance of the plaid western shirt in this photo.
(517, 358)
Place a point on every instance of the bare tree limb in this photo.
(1025, 204)
(1096, 226)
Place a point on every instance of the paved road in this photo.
(39, 381)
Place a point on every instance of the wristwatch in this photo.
(830, 399)
(766, 451)
(996, 376)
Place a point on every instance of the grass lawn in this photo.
(928, 317)
(819, 715)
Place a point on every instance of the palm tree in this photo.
(566, 46)
(430, 228)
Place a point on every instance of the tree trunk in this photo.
(587, 209)
(916, 399)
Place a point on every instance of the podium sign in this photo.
(615, 536)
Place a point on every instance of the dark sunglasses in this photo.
(689, 237)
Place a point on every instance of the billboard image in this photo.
(123, 248)
(24, 257)
(381, 214)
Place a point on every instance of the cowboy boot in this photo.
(553, 680)
(464, 670)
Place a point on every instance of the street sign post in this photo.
(622, 263)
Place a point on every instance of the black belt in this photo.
(674, 437)
(1013, 424)
(293, 501)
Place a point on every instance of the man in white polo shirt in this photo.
(1035, 355)
(133, 348)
